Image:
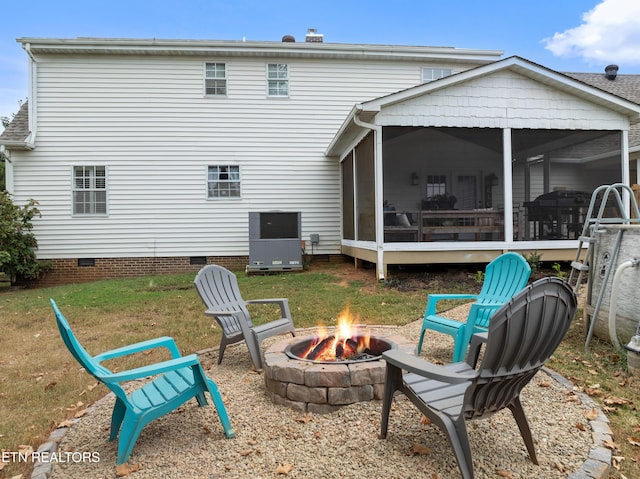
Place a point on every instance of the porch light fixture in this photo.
(415, 179)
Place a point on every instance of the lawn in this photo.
(41, 385)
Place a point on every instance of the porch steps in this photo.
(592, 224)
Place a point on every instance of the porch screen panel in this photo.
(348, 199)
(554, 175)
(365, 189)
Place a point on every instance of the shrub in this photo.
(17, 243)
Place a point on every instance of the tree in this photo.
(17, 243)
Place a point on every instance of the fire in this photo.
(345, 344)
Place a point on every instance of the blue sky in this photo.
(565, 35)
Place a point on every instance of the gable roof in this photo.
(366, 111)
(17, 132)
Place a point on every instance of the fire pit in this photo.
(323, 372)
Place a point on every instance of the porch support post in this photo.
(626, 175)
(381, 268)
(507, 173)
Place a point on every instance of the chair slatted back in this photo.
(523, 335)
(219, 290)
(504, 277)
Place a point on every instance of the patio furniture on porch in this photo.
(522, 336)
(504, 277)
(218, 288)
(176, 381)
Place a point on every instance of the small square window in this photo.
(215, 79)
(223, 181)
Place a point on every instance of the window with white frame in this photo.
(278, 79)
(215, 79)
(430, 74)
(223, 181)
(436, 185)
(89, 190)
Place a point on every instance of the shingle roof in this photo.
(18, 129)
(624, 86)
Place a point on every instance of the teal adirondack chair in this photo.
(176, 381)
(504, 277)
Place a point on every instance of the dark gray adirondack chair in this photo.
(218, 288)
(522, 335)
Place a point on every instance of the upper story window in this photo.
(278, 79)
(430, 74)
(89, 190)
(215, 79)
(223, 181)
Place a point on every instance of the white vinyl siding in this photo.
(145, 117)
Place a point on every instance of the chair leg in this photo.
(461, 344)
(223, 345)
(222, 410)
(131, 429)
(254, 350)
(523, 425)
(419, 347)
(459, 440)
(116, 418)
(392, 380)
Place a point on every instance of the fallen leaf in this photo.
(305, 419)
(545, 384)
(581, 426)
(50, 386)
(126, 469)
(424, 420)
(25, 449)
(560, 467)
(610, 444)
(246, 452)
(420, 450)
(66, 423)
(634, 441)
(616, 401)
(79, 414)
(505, 474)
(284, 469)
(591, 414)
(593, 390)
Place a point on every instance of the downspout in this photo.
(378, 184)
(8, 169)
(30, 141)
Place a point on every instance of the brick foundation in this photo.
(65, 271)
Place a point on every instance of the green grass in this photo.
(41, 385)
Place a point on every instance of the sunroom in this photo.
(503, 157)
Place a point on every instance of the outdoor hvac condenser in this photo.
(275, 241)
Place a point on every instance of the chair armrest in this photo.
(152, 369)
(426, 369)
(282, 302)
(433, 299)
(164, 341)
(471, 321)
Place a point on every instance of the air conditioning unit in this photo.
(275, 241)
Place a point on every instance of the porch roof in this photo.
(365, 112)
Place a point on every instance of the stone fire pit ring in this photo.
(322, 388)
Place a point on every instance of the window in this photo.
(89, 190)
(436, 185)
(277, 79)
(430, 74)
(215, 80)
(223, 182)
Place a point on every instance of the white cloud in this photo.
(610, 33)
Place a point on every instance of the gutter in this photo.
(30, 140)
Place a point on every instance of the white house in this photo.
(148, 155)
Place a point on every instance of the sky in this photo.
(564, 35)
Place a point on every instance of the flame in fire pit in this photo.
(346, 344)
